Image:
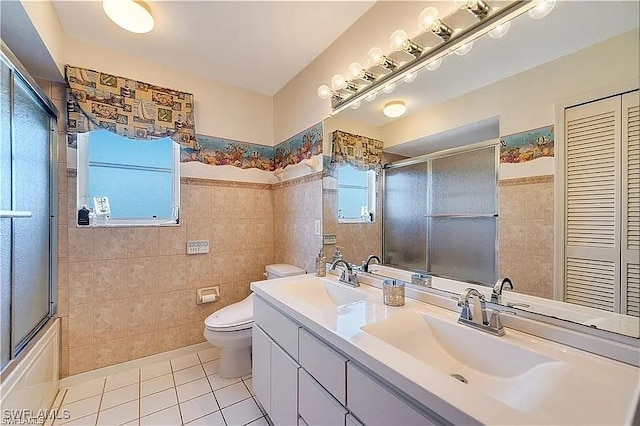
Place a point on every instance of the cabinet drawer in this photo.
(316, 406)
(325, 365)
(284, 387)
(281, 329)
(374, 404)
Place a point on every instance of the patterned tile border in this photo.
(526, 180)
(234, 184)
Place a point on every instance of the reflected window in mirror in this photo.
(124, 181)
(356, 195)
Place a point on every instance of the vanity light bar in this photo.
(398, 74)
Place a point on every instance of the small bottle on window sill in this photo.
(83, 216)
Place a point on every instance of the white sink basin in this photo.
(322, 293)
(490, 364)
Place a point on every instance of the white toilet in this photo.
(229, 328)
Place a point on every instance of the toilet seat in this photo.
(238, 316)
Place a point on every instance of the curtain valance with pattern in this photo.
(127, 107)
(359, 152)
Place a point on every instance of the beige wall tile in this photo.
(539, 237)
(195, 333)
(512, 201)
(63, 272)
(142, 345)
(199, 271)
(243, 203)
(110, 320)
(63, 239)
(63, 301)
(143, 275)
(142, 242)
(80, 359)
(80, 283)
(58, 91)
(222, 201)
(110, 352)
(62, 178)
(80, 325)
(172, 308)
(143, 315)
(110, 243)
(80, 244)
(198, 229)
(62, 147)
(512, 235)
(195, 201)
(171, 273)
(172, 240)
(263, 207)
(45, 85)
(64, 347)
(172, 338)
(110, 280)
(223, 267)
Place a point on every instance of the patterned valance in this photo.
(359, 152)
(127, 107)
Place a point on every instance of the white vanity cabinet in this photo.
(299, 378)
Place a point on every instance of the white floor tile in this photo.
(232, 394)
(121, 380)
(83, 421)
(169, 416)
(119, 396)
(158, 401)
(135, 422)
(192, 389)
(58, 399)
(154, 370)
(242, 413)
(83, 407)
(214, 419)
(185, 361)
(211, 367)
(249, 384)
(260, 422)
(248, 376)
(84, 390)
(188, 374)
(119, 415)
(156, 384)
(198, 407)
(209, 354)
(218, 382)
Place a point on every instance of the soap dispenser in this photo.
(321, 264)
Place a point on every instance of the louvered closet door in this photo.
(630, 275)
(592, 242)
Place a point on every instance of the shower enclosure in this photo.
(28, 209)
(440, 213)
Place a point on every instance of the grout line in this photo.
(139, 394)
(214, 394)
(104, 385)
(175, 390)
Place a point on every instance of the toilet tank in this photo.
(280, 270)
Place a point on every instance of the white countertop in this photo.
(590, 389)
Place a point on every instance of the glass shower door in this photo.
(5, 222)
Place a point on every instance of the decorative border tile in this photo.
(527, 180)
(297, 181)
(528, 145)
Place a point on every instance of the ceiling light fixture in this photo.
(394, 109)
(132, 15)
(384, 73)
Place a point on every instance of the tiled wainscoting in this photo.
(526, 234)
(183, 390)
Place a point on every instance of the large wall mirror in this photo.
(517, 93)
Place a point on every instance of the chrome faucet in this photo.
(348, 276)
(365, 264)
(496, 294)
(477, 317)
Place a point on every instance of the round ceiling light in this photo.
(394, 109)
(132, 15)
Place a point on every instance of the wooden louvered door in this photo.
(592, 227)
(602, 228)
(630, 244)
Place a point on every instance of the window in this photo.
(356, 195)
(128, 182)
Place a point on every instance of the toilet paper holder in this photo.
(207, 295)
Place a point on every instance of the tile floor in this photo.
(184, 390)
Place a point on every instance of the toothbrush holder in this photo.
(393, 292)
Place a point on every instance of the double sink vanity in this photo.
(326, 353)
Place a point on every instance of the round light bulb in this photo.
(434, 65)
(410, 77)
(338, 82)
(355, 105)
(464, 49)
(371, 96)
(500, 30)
(389, 88)
(394, 109)
(428, 19)
(375, 56)
(133, 16)
(355, 71)
(542, 8)
(324, 92)
(398, 39)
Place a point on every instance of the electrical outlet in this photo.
(318, 226)
(198, 247)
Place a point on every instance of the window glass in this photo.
(356, 194)
(139, 178)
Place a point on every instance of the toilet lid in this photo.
(233, 315)
(284, 270)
